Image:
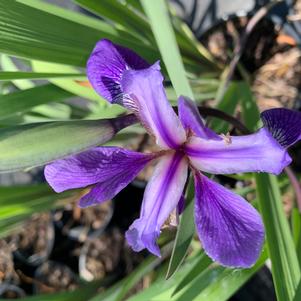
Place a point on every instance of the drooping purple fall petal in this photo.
(112, 168)
(230, 229)
(161, 196)
(258, 152)
(106, 65)
(146, 97)
(283, 124)
(192, 120)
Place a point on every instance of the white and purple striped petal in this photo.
(105, 68)
(230, 229)
(161, 197)
(192, 120)
(110, 168)
(283, 124)
(258, 152)
(146, 97)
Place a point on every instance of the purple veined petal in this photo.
(258, 152)
(110, 168)
(146, 97)
(192, 120)
(106, 65)
(181, 204)
(230, 229)
(283, 124)
(161, 196)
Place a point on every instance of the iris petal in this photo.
(106, 65)
(112, 168)
(146, 97)
(258, 152)
(283, 124)
(229, 228)
(161, 196)
(192, 120)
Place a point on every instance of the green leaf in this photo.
(119, 290)
(249, 107)
(22, 101)
(218, 283)
(203, 263)
(227, 104)
(29, 32)
(36, 144)
(185, 233)
(7, 64)
(210, 284)
(18, 203)
(11, 75)
(158, 16)
(84, 293)
(285, 265)
(118, 12)
(296, 230)
(281, 249)
(298, 293)
(70, 15)
(68, 84)
(161, 285)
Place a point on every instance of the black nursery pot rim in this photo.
(75, 232)
(35, 259)
(83, 272)
(4, 287)
(39, 272)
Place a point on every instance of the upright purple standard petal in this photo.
(106, 65)
(161, 196)
(283, 124)
(192, 120)
(112, 168)
(229, 228)
(258, 152)
(146, 97)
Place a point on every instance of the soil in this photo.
(54, 277)
(33, 242)
(260, 46)
(6, 262)
(101, 255)
(80, 223)
(277, 83)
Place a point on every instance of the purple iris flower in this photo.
(229, 228)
